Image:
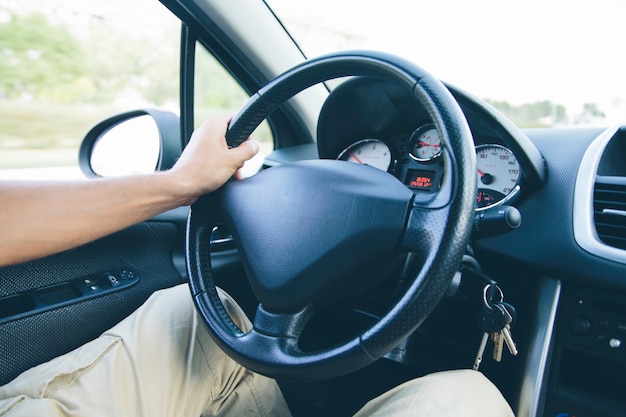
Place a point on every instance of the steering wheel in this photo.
(301, 227)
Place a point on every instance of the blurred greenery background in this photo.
(61, 76)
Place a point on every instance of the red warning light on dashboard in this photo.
(422, 180)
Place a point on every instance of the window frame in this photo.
(287, 125)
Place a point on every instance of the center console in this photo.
(587, 372)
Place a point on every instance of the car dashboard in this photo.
(562, 263)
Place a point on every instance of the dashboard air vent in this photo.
(609, 209)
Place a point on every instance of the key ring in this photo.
(486, 290)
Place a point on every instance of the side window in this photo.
(66, 65)
(217, 92)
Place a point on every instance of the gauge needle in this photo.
(355, 158)
(434, 145)
(485, 178)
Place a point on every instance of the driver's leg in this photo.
(160, 361)
(464, 393)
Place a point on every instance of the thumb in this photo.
(246, 150)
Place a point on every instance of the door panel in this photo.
(38, 335)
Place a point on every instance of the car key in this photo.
(508, 313)
(481, 350)
(498, 344)
(497, 337)
(506, 333)
(490, 321)
(500, 337)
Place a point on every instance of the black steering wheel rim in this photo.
(439, 232)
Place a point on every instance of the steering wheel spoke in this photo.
(424, 230)
(282, 325)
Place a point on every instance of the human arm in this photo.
(40, 218)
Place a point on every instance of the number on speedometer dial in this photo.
(498, 175)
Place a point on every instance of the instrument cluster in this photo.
(417, 161)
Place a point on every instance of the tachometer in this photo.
(498, 173)
(371, 152)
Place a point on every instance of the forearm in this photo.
(41, 218)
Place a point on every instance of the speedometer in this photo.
(498, 175)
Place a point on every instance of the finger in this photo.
(246, 150)
(238, 175)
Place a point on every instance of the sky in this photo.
(569, 52)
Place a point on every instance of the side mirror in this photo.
(136, 142)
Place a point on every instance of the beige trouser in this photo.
(160, 361)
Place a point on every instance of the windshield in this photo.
(543, 63)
